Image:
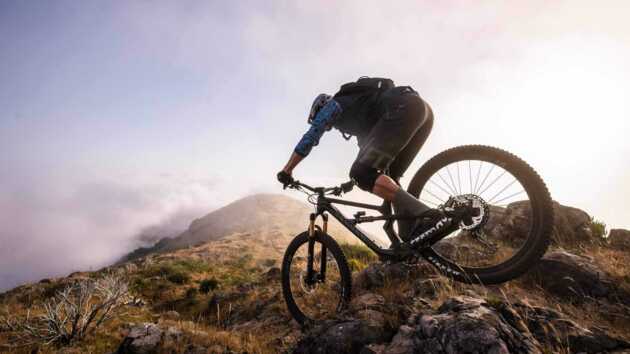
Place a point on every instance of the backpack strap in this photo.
(346, 136)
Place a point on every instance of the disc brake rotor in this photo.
(477, 203)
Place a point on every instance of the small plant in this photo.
(598, 228)
(356, 265)
(71, 314)
(191, 293)
(358, 252)
(178, 278)
(208, 285)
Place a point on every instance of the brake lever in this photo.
(347, 187)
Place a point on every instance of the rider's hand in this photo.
(284, 178)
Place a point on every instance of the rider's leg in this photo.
(410, 151)
(404, 114)
(404, 204)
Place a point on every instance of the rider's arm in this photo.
(294, 160)
(320, 124)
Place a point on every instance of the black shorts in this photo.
(403, 126)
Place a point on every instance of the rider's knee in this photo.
(364, 176)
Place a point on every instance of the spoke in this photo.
(437, 185)
(434, 196)
(477, 179)
(509, 196)
(428, 202)
(452, 180)
(470, 176)
(459, 182)
(448, 185)
(484, 179)
(493, 182)
(501, 191)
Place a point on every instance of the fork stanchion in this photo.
(311, 225)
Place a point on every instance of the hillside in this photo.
(272, 220)
(224, 296)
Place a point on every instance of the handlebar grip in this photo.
(347, 187)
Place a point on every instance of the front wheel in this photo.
(512, 228)
(316, 279)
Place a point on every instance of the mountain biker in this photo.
(391, 124)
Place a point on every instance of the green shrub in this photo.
(356, 265)
(358, 252)
(190, 293)
(208, 285)
(178, 278)
(598, 228)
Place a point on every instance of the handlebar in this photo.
(337, 190)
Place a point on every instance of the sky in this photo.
(121, 115)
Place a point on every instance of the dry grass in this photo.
(250, 314)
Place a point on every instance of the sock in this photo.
(405, 203)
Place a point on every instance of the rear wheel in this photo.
(512, 230)
(316, 280)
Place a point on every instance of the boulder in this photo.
(142, 339)
(367, 301)
(466, 324)
(553, 330)
(619, 239)
(378, 274)
(571, 225)
(462, 324)
(347, 336)
(571, 276)
(147, 338)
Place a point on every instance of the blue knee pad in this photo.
(364, 176)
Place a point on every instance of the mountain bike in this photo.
(497, 221)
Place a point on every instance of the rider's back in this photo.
(360, 104)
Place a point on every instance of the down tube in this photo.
(350, 226)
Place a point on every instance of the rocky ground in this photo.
(194, 300)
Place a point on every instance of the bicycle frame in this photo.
(325, 205)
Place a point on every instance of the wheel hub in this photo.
(479, 211)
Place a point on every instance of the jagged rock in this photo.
(346, 337)
(147, 338)
(142, 339)
(571, 225)
(375, 275)
(619, 239)
(568, 275)
(462, 324)
(273, 274)
(555, 331)
(367, 301)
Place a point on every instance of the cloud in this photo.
(59, 228)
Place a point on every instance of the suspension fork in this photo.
(324, 259)
(310, 272)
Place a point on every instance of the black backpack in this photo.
(358, 101)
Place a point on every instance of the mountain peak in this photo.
(263, 217)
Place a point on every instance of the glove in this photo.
(284, 178)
